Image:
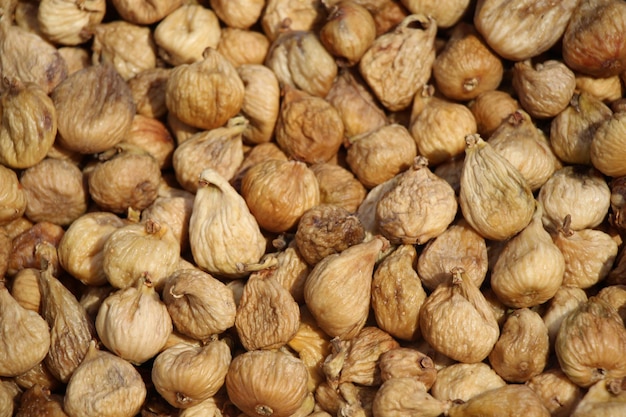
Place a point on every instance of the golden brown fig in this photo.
(267, 383)
(522, 29)
(513, 400)
(148, 91)
(183, 35)
(206, 93)
(463, 381)
(490, 109)
(559, 395)
(145, 13)
(280, 16)
(224, 235)
(254, 155)
(12, 197)
(395, 85)
(590, 42)
(590, 343)
(186, 375)
(403, 362)
(239, 14)
(199, 305)
(152, 135)
(24, 253)
(341, 306)
(496, 200)
(338, 186)
(446, 13)
(608, 146)
(40, 401)
(243, 47)
(397, 293)
(406, 397)
(25, 289)
(122, 392)
(466, 66)
(92, 120)
(452, 330)
(564, 301)
(265, 186)
(261, 102)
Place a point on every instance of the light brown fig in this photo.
(397, 293)
(24, 253)
(39, 400)
(25, 289)
(395, 85)
(286, 15)
(605, 398)
(172, 207)
(338, 186)
(340, 303)
(452, 331)
(405, 362)
(12, 197)
(512, 400)
(490, 109)
(224, 235)
(446, 13)
(464, 381)
(564, 301)
(239, 14)
(590, 343)
(616, 296)
(608, 148)
(69, 22)
(243, 47)
(267, 383)
(406, 397)
(559, 395)
(261, 102)
(151, 135)
(496, 200)
(148, 91)
(145, 13)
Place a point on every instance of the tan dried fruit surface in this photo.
(404, 362)
(463, 381)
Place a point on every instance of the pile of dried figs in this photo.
(290, 208)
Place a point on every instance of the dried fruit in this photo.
(24, 253)
(243, 47)
(261, 102)
(25, 289)
(142, 13)
(224, 235)
(172, 207)
(564, 301)
(490, 109)
(495, 198)
(604, 398)
(280, 16)
(148, 91)
(40, 401)
(512, 400)
(608, 147)
(406, 397)
(69, 22)
(151, 135)
(338, 186)
(12, 197)
(405, 362)
(559, 395)
(464, 381)
(239, 14)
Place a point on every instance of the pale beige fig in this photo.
(446, 13)
(616, 296)
(406, 397)
(29, 124)
(136, 250)
(326, 229)
(367, 209)
(152, 135)
(71, 329)
(605, 398)
(30, 58)
(200, 305)
(589, 254)
(9, 397)
(590, 343)
(544, 88)
(128, 47)
(526, 147)
(12, 196)
(405, 362)
(206, 93)
(172, 207)
(56, 192)
(572, 130)
(148, 91)
(300, 61)
(312, 346)
(267, 315)
(280, 16)
(81, 247)
(466, 66)
(25, 289)
(145, 13)
(240, 14)
(355, 103)
(75, 57)
(496, 200)
(207, 408)
(243, 47)
(463, 381)
(186, 375)
(452, 330)
(459, 245)
(560, 395)
(341, 306)
(121, 390)
(380, 154)
(134, 323)
(608, 147)
(25, 336)
(219, 149)
(267, 383)
(512, 400)
(39, 400)
(395, 85)
(184, 34)
(523, 348)
(397, 293)
(530, 268)
(348, 31)
(606, 89)
(564, 301)
(524, 28)
(578, 191)
(308, 128)
(124, 177)
(92, 120)
(69, 22)
(338, 186)
(23, 252)
(490, 109)
(590, 42)
(265, 185)
(437, 137)
(261, 102)
(224, 235)
(418, 208)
